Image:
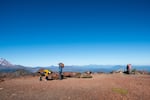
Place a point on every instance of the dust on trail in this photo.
(100, 87)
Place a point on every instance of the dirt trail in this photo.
(100, 87)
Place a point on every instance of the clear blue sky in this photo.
(76, 32)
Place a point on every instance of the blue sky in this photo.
(76, 32)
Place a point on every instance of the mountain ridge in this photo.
(6, 66)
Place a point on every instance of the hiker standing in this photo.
(129, 68)
(61, 66)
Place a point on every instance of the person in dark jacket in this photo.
(129, 68)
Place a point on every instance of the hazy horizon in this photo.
(86, 65)
(78, 32)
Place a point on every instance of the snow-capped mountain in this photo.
(4, 62)
(6, 66)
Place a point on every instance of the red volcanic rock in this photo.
(68, 74)
(53, 76)
(72, 74)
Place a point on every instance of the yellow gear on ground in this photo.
(47, 72)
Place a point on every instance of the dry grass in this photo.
(120, 91)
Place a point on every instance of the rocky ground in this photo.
(101, 87)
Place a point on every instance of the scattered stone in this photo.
(69, 98)
(2, 80)
(1, 88)
(13, 94)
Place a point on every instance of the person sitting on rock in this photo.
(45, 73)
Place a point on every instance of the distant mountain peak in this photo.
(4, 62)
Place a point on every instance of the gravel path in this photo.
(100, 87)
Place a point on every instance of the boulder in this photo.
(53, 76)
(85, 75)
(68, 74)
(76, 74)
